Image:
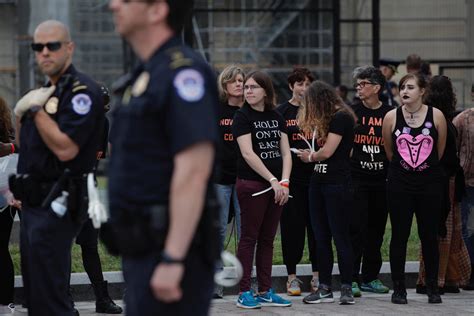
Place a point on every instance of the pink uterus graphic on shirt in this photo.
(414, 150)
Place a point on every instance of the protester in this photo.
(294, 222)
(414, 139)
(231, 93)
(464, 123)
(369, 170)
(330, 191)
(454, 264)
(264, 155)
(413, 63)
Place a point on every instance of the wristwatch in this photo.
(167, 259)
(34, 110)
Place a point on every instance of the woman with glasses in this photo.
(294, 222)
(454, 262)
(414, 139)
(231, 92)
(263, 172)
(330, 189)
(369, 169)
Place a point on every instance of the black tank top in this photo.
(415, 161)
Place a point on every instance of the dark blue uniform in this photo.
(169, 104)
(46, 238)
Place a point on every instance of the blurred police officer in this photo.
(163, 138)
(388, 67)
(58, 145)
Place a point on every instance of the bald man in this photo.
(59, 132)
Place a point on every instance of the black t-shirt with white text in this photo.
(368, 162)
(265, 129)
(336, 169)
(228, 151)
(300, 171)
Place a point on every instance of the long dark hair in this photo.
(440, 94)
(6, 125)
(321, 102)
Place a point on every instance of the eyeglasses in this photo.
(362, 84)
(251, 87)
(142, 1)
(51, 46)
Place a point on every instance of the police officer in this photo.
(88, 235)
(388, 67)
(162, 148)
(58, 145)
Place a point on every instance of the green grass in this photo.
(110, 263)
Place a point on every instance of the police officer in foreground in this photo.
(58, 145)
(162, 148)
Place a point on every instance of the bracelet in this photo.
(273, 179)
(309, 157)
(13, 148)
(167, 259)
(285, 180)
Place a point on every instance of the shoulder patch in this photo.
(189, 84)
(81, 103)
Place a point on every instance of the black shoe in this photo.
(104, 303)
(76, 312)
(432, 291)
(399, 295)
(322, 295)
(449, 289)
(346, 295)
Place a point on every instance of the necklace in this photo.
(411, 113)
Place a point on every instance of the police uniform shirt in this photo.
(169, 104)
(76, 106)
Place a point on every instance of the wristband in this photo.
(285, 184)
(273, 179)
(167, 259)
(309, 157)
(13, 148)
(285, 180)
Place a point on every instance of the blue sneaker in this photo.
(269, 298)
(247, 301)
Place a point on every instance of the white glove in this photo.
(32, 98)
(97, 212)
(230, 275)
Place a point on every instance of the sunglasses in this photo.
(51, 46)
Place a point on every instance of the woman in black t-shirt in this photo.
(264, 155)
(294, 222)
(330, 191)
(231, 92)
(414, 139)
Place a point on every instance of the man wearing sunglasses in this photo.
(59, 126)
(163, 138)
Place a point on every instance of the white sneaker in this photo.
(7, 309)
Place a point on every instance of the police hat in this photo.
(392, 64)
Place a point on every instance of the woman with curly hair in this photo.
(330, 190)
(454, 264)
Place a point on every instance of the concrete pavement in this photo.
(368, 304)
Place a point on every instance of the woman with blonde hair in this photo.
(330, 190)
(231, 93)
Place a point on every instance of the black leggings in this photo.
(88, 240)
(426, 206)
(294, 223)
(6, 264)
(368, 222)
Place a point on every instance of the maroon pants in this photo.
(259, 222)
